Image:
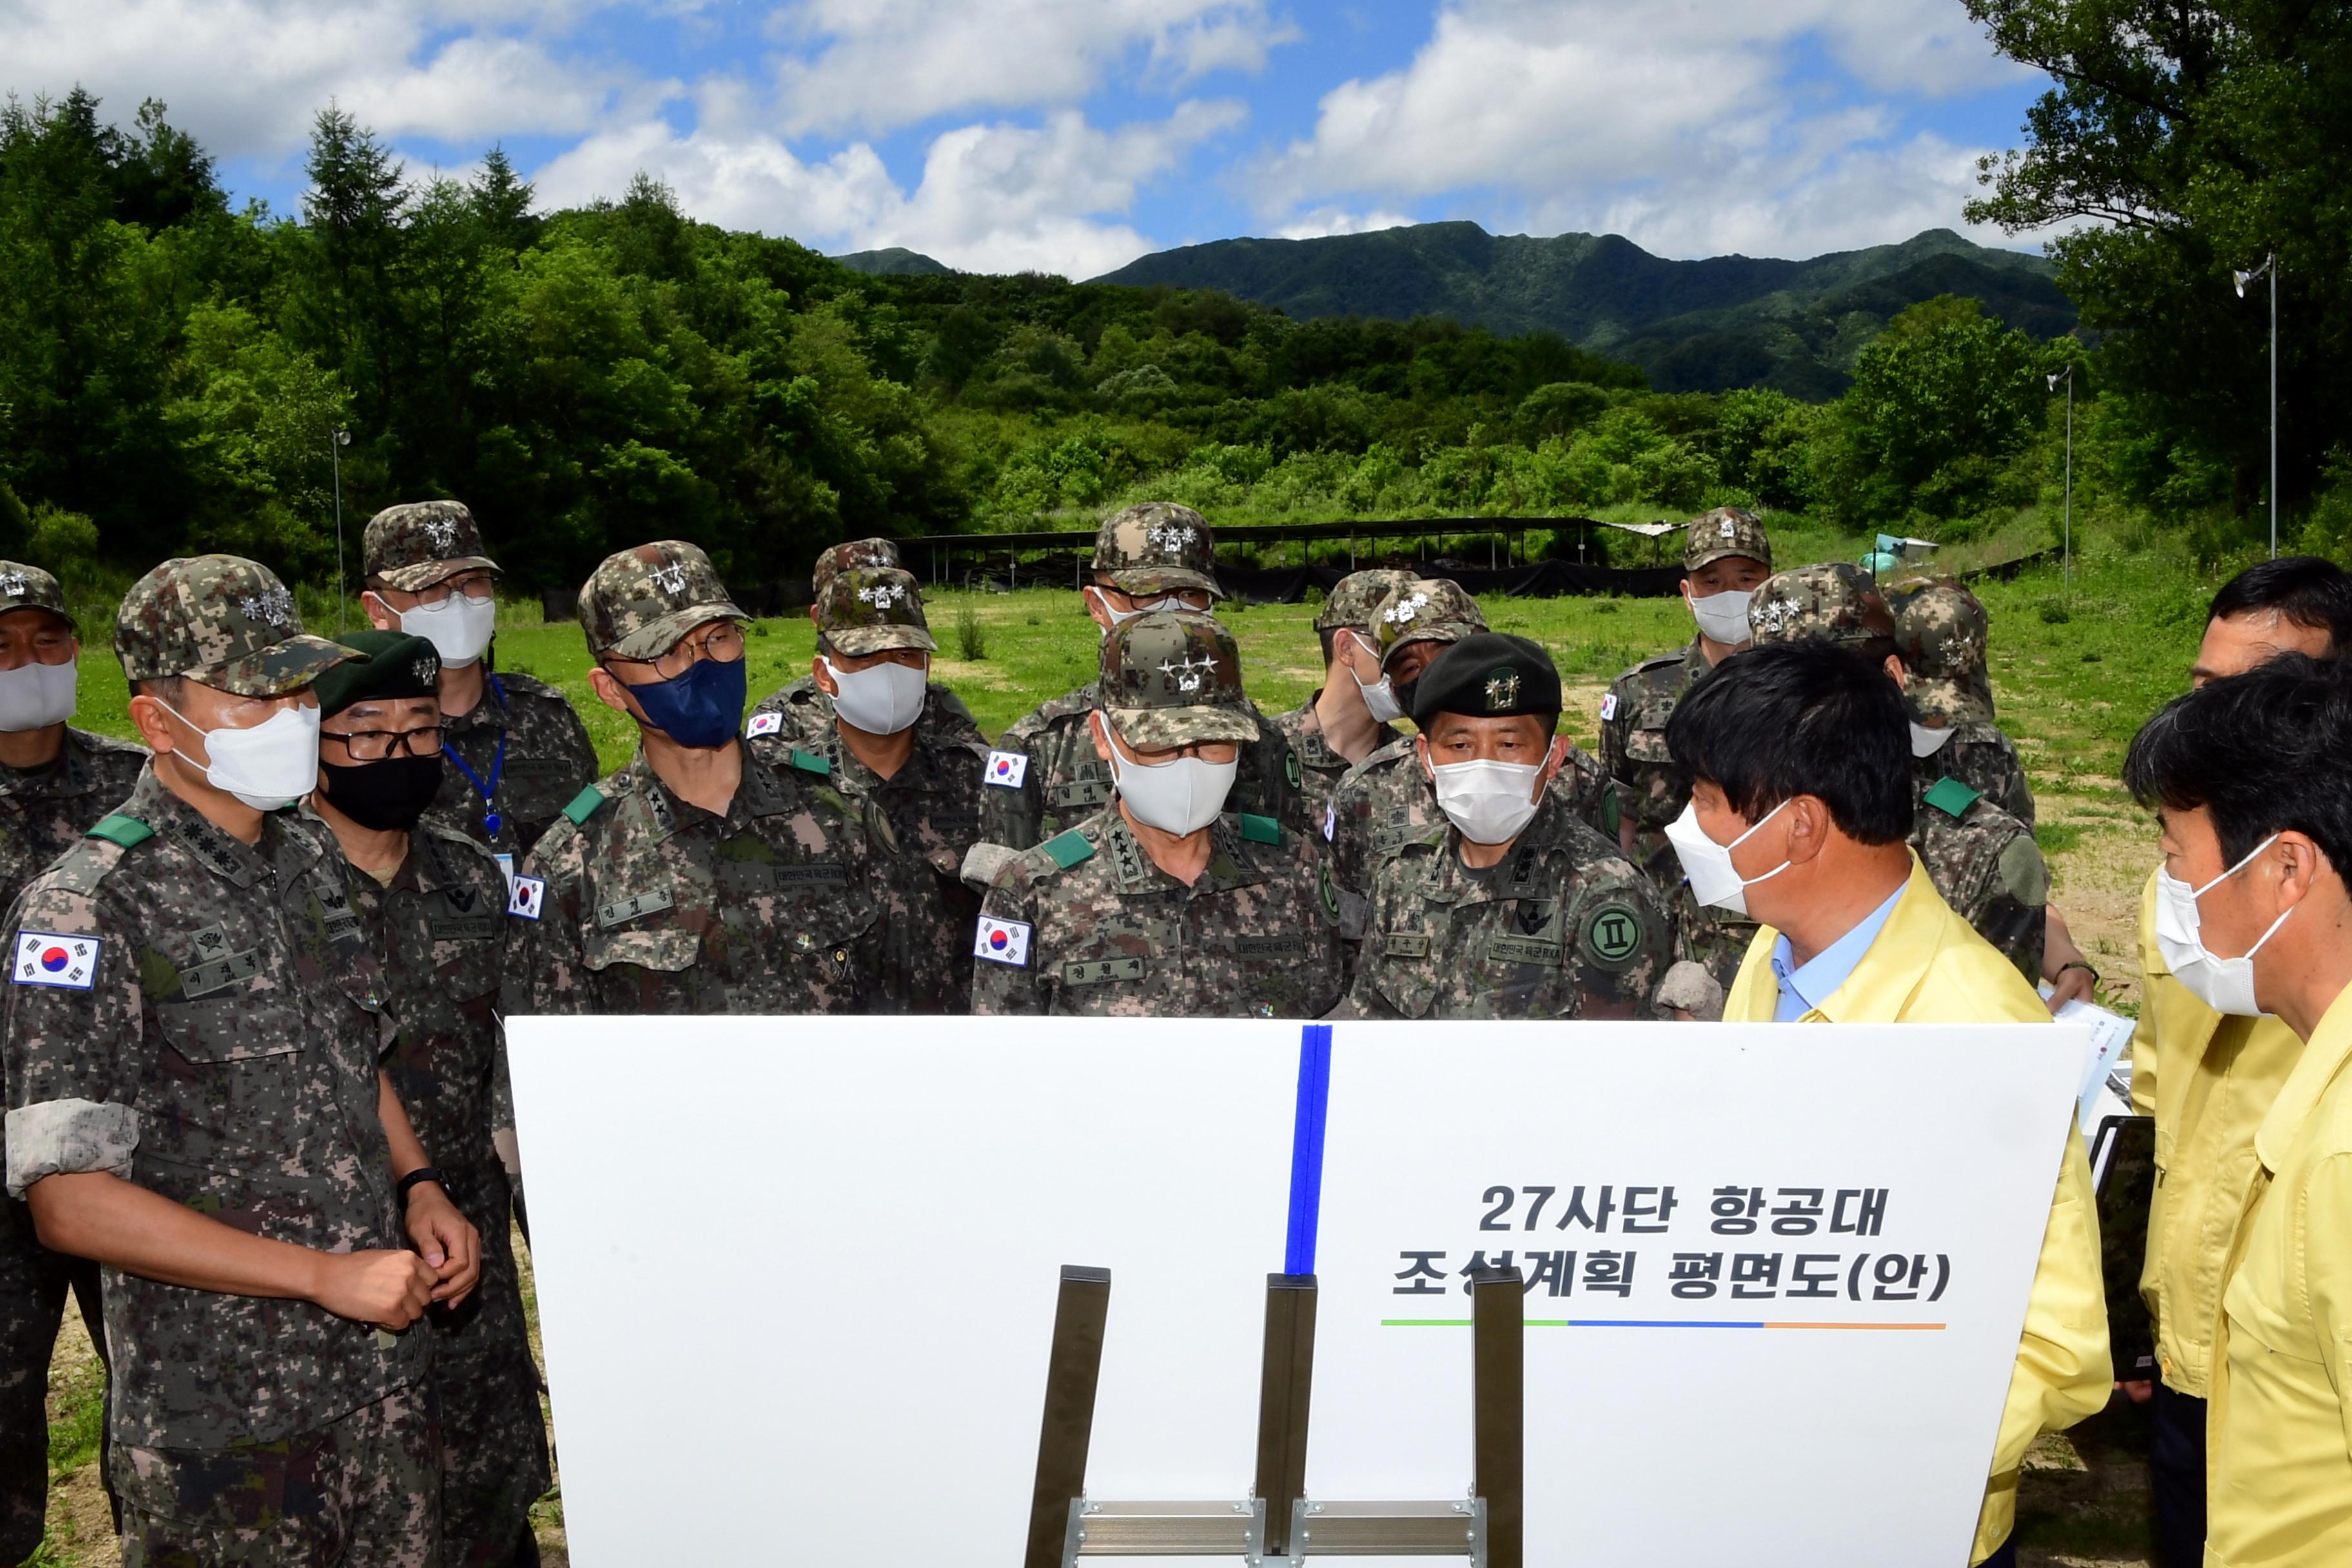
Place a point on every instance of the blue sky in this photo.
(1073, 135)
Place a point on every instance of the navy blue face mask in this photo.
(699, 709)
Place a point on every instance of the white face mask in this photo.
(1181, 795)
(1722, 618)
(1927, 743)
(1121, 617)
(1714, 881)
(269, 767)
(1380, 698)
(1487, 802)
(2224, 985)
(36, 696)
(882, 699)
(458, 627)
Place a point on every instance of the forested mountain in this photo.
(1694, 326)
(894, 261)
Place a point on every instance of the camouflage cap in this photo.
(1171, 677)
(1940, 630)
(1837, 602)
(1426, 609)
(417, 543)
(224, 622)
(1157, 545)
(1357, 598)
(867, 609)
(1727, 530)
(24, 588)
(874, 551)
(638, 603)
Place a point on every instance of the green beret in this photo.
(1488, 675)
(392, 664)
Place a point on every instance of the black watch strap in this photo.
(422, 1173)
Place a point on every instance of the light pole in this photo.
(2269, 268)
(2067, 376)
(337, 440)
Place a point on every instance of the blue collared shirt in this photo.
(1804, 987)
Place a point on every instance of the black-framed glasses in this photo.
(473, 585)
(722, 644)
(375, 745)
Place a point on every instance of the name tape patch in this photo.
(1007, 770)
(44, 958)
(529, 894)
(1002, 941)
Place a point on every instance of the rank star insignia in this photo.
(883, 596)
(670, 579)
(425, 670)
(1403, 610)
(1774, 614)
(1172, 537)
(442, 533)
(274, 607)
(1501, 690)
(12, 584)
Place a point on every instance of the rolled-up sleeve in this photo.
(68, 1138)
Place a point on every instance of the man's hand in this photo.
(2073, 984)
(446, 1241)
(2138, 1390)
(390, 1289)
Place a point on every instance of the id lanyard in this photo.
(491, 820)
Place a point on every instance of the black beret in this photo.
(398, 665)
(1490, 675)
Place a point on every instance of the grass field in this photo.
(2075, 671)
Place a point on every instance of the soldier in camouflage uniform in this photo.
(1044, 775)
(1338, 727)
(1940, 631)
(1982, 860)
(924, 777)
(1510, 908)
(803, 713)
(515, 750)
(1726, 553)
(701, 877)
(1386, 801)
(1164, 904)
(193, 1032)
(55, 782)
(432, 903)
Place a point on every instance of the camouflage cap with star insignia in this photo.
(1426, 609)
(1940, 629)
(1356, 598)
(1171, 678)
(24, 588)
(1155, 547)
(1837, 602)
(224, 622)
(418, 544)
(870, 609)
(395, 664)
(1726, 532)
(638, 603)
(875, 552)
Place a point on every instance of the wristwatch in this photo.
(422, 1173)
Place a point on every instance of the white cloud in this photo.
(1677, 125)
(872, 66)
(992, 198)
(1324, 221)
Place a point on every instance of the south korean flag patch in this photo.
(1006, 770)
(527, 896)
(766, 724)
(1607, 707)
(44, 958)
(1002, 942)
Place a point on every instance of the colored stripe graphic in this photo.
(1666, 1323)
(1307, 1148)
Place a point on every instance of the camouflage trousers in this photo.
(494, 1462)
(365, 1492)
(33, 1285)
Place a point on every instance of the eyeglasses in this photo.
(723, 644)
(375, 745)
(473, 585)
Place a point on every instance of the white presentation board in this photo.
(797, 1277)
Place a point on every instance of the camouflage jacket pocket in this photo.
(231, 1028)
(1649, 745)
(1406, 971)
(668, 949)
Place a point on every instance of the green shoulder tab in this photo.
(1069, 848)
(810, 763)
(583, 806)
(120, 829)
(1260, 829)
(1951, 797)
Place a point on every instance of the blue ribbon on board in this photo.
(1307, 1148)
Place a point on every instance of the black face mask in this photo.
(388, 796)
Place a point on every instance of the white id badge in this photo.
(505, 864)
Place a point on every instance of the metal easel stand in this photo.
(1277, 1526)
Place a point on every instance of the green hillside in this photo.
(1694, 326)
(895, 261)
